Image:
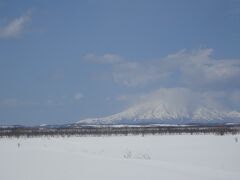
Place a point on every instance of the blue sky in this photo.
(62, 61)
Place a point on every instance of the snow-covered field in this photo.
(175, 157)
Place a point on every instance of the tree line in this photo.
(111, 130)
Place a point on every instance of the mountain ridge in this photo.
(163, 113)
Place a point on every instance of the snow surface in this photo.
(172, 157)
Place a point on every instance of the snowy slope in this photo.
(174, 157)
(163, 113)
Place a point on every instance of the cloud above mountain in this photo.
(185, 81)
(187, 98)
(173, 105)
(191, 69)
(198, 69)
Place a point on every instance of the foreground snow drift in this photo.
(173, 157)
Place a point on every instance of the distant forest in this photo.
(113, 130)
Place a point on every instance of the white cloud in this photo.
(14, 27)
(169, 96)
(105, 59)
(192, 69)
(184, 98)
(199, 69)
(78, 96)
(125, 72)
(134, 74)
(195, 78)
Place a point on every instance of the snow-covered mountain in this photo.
(149, 113)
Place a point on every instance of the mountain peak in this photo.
(157, 112)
